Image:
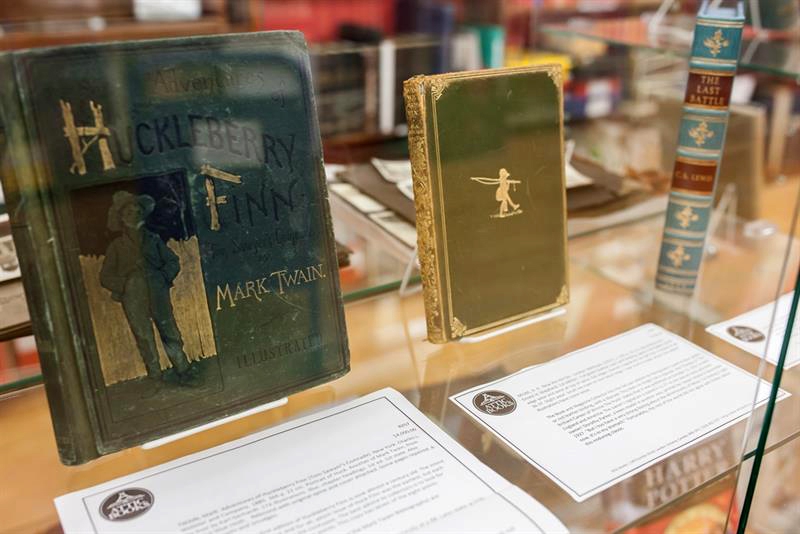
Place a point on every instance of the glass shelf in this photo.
(370, 273)
(742, 270)
(609, 295)
(778, 58)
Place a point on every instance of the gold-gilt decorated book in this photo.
(487, 161)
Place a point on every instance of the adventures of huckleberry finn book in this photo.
(169, 205)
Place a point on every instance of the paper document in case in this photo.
(613, 409)
(395, 171)
(374, 464)
(751, 332)
(9, 264)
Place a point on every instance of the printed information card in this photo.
(599, 415)
(749, 332)
(375, 464)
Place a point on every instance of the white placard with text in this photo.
(601, 414)
(375, 464)
(749, 332)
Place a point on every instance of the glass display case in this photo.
(626, 69)
(610, 295)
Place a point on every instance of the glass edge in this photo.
(761, 448)
(20, 384)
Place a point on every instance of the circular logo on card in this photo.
(493, 402)
(745, 333)
(126, 504)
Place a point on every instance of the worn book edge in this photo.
(27, 210)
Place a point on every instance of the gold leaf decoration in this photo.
(555, 74)
(716, 43)
(563, 296)
(457, 328)
(701, 133)
(438, 87)
(413, 93)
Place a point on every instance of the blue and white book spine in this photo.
(712, 66)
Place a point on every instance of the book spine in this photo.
(701, 138)
(414, 93)
(71, 422)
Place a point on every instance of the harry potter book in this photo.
(169, 206)
(487, 162)
(712, 66)
(682, 493)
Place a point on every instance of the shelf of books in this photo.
(761, 52)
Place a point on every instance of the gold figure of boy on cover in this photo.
(501, 194)
(139, 270)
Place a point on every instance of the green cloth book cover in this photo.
(169, 205)
(487, 162)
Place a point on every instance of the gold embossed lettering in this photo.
(76, 135)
